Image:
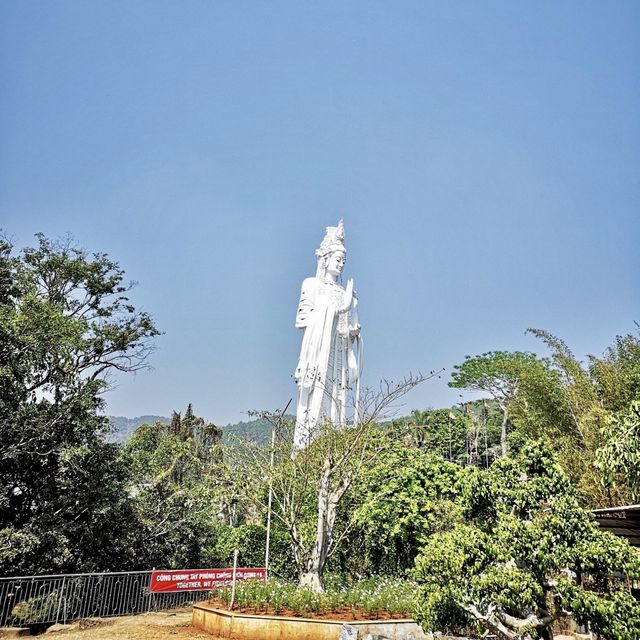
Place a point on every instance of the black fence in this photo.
(27, 600)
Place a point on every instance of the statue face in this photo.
(335, 263)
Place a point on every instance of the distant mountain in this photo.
(124, 427)
(258, 430)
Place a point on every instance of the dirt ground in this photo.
(172, 625)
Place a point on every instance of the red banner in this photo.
(199, 579)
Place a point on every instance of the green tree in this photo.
(575, 412)
(65, 324)
(182, 489)
(250, 541)
(466, 434)
(561, 400)
(616, 374)
(619, 457)
(498, 373)
(403, 498)
(441, 431)
(526, 556)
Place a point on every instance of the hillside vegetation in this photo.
(257, 430)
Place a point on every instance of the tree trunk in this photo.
(312, 576)
(312, 580)
(509, 627)
(503, 433)
(327, 505)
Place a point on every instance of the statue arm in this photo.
(307, 302)
(351, 303)
(354, 321)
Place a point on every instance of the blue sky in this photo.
(484, 156)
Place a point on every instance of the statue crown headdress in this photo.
(332, 241)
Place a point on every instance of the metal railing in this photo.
(28, 600)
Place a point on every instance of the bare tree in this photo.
(308, 485)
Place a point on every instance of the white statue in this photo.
(331, 354)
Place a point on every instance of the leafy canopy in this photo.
(65, 324)
(526, 555)
(619, 457)
(404, 498)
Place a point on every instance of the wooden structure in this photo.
(621, 521)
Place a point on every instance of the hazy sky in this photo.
(485, 157)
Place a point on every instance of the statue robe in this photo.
(328, 365)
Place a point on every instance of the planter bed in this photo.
(244, 626)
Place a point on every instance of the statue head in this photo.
(332, 243)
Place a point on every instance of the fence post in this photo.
(268, 540)
(149, 594)
(64, 608)
(64, 578)
(233, 579)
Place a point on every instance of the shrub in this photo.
(374, 597)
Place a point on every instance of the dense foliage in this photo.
(500, 374)
(405, 497)
(565, 401)
(619, 456)
(525, 556)
(65, 324)
(178, 486)
(468, 434)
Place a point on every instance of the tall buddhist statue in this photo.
(328, 372)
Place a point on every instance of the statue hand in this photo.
(347, 299)
(355, 330)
